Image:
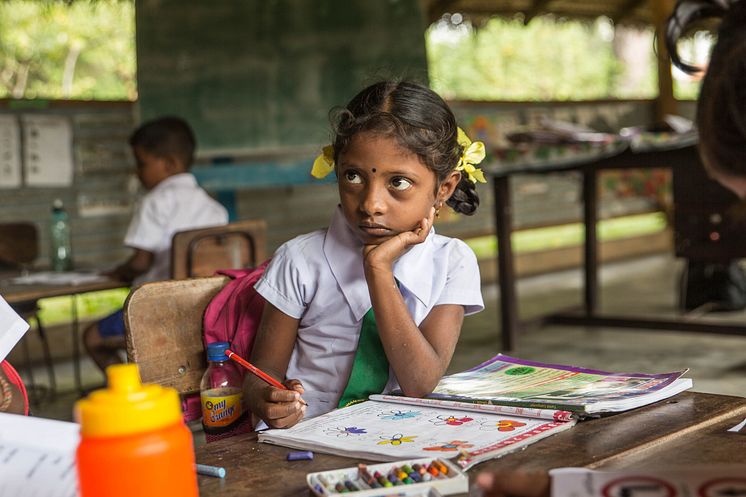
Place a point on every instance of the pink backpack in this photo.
(233, 315)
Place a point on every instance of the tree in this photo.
(83, 50)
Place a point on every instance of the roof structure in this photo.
(639, 12)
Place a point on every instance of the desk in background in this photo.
(689, 428)
(684, 157)
(20, 295)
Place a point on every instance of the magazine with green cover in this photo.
(505, 380)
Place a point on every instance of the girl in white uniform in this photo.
(377, 300)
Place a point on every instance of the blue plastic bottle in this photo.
(61, 257)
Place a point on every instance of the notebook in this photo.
(497, 407)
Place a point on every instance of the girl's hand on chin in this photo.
(382, 256)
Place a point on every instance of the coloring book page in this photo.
(387, 432)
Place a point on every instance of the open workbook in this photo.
(488, 411)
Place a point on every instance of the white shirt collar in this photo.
(181, 179)
(344, 253)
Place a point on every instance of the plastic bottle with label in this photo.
(61, 257)
(133, 440)
(220, 392)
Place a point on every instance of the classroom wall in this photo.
(104, 187)
(261, 75)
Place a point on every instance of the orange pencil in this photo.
(255, 370)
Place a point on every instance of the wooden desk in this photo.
(26, 295)
(688, 427)
(588, 316)
(17, 294)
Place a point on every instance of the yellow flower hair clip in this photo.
(473, 154)
(324, 163)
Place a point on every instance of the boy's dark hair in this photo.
(419, 120)
(167, 136)
(721, 107)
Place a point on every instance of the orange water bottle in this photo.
(133, 440)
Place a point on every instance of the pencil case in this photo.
(427, 477)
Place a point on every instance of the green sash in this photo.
(370, 371)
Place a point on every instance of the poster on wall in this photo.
(10, 152)
(48, 150)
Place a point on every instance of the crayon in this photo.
(351, 486)
(216, 471)
(305, 455)
(441, 467)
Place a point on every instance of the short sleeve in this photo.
(146, 230)
(283, 284)
(463, 283)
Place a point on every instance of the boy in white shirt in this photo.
(164, 152)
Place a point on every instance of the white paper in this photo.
(37, 457)
(12, 328)
(48, 151)
(10, 152)
(700, 480)
(58, 278)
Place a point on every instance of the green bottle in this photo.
(61, 256)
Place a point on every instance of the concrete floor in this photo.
(644, 286)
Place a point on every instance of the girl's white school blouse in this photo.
(319, 278)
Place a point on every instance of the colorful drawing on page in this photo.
(397, 415)
(450, 420)
(397, 439)
(501, 425)
(341, 431)
(452, 446)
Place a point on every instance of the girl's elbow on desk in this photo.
(418, 389)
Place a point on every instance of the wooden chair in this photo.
(202, 251)
(163, 323)
(19, 244)
(19, 248)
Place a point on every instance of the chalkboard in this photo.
(261, 75)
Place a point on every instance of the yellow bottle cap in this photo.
(127, 406)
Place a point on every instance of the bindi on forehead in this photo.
(374, 169)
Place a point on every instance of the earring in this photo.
(437, 209)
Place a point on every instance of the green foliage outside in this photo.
(85, 50)
(568, 235)
(93, 305)
(547, 59)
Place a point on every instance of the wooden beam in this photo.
(665, 103)
(535, 10)
(626, 10)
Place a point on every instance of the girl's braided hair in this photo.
(419, 120)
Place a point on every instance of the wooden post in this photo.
(665, 103)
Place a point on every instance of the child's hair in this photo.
(166, 137)
(721, 107)
(419, 120)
